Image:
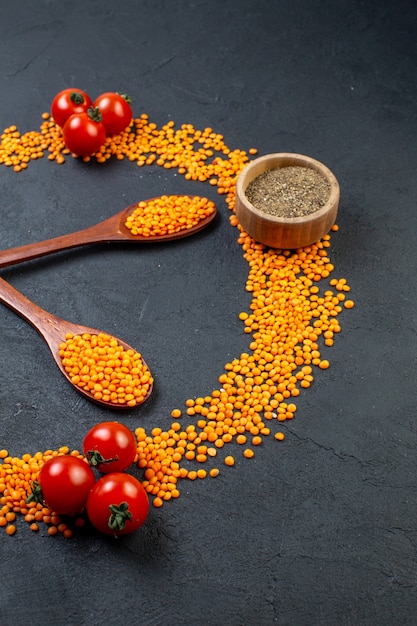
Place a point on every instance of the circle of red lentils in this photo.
(294, 315)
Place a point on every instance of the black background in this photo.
(320, 529)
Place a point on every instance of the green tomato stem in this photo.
(119, 514)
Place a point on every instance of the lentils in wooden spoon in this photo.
(165, 218)
(101, 367)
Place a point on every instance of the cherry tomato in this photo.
(65, 482)
(110, 447)
(68, 102)
(116, 111)
(84, 133)
(117, 504)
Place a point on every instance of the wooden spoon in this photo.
(111, 229)
(53, 330)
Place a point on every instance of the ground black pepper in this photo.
(290, 191)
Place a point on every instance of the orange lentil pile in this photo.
(168, 215)
(290, 322)
(101, 366)
(294, 315)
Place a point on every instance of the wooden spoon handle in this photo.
(49, 326)
(102, 232)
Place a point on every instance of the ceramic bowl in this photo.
(285, 232)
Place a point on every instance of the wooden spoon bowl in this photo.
(285, 232)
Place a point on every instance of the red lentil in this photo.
(10, 529)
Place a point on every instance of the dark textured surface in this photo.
(322, 528)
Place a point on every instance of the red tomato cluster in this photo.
(86, 124)
(116, 503)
